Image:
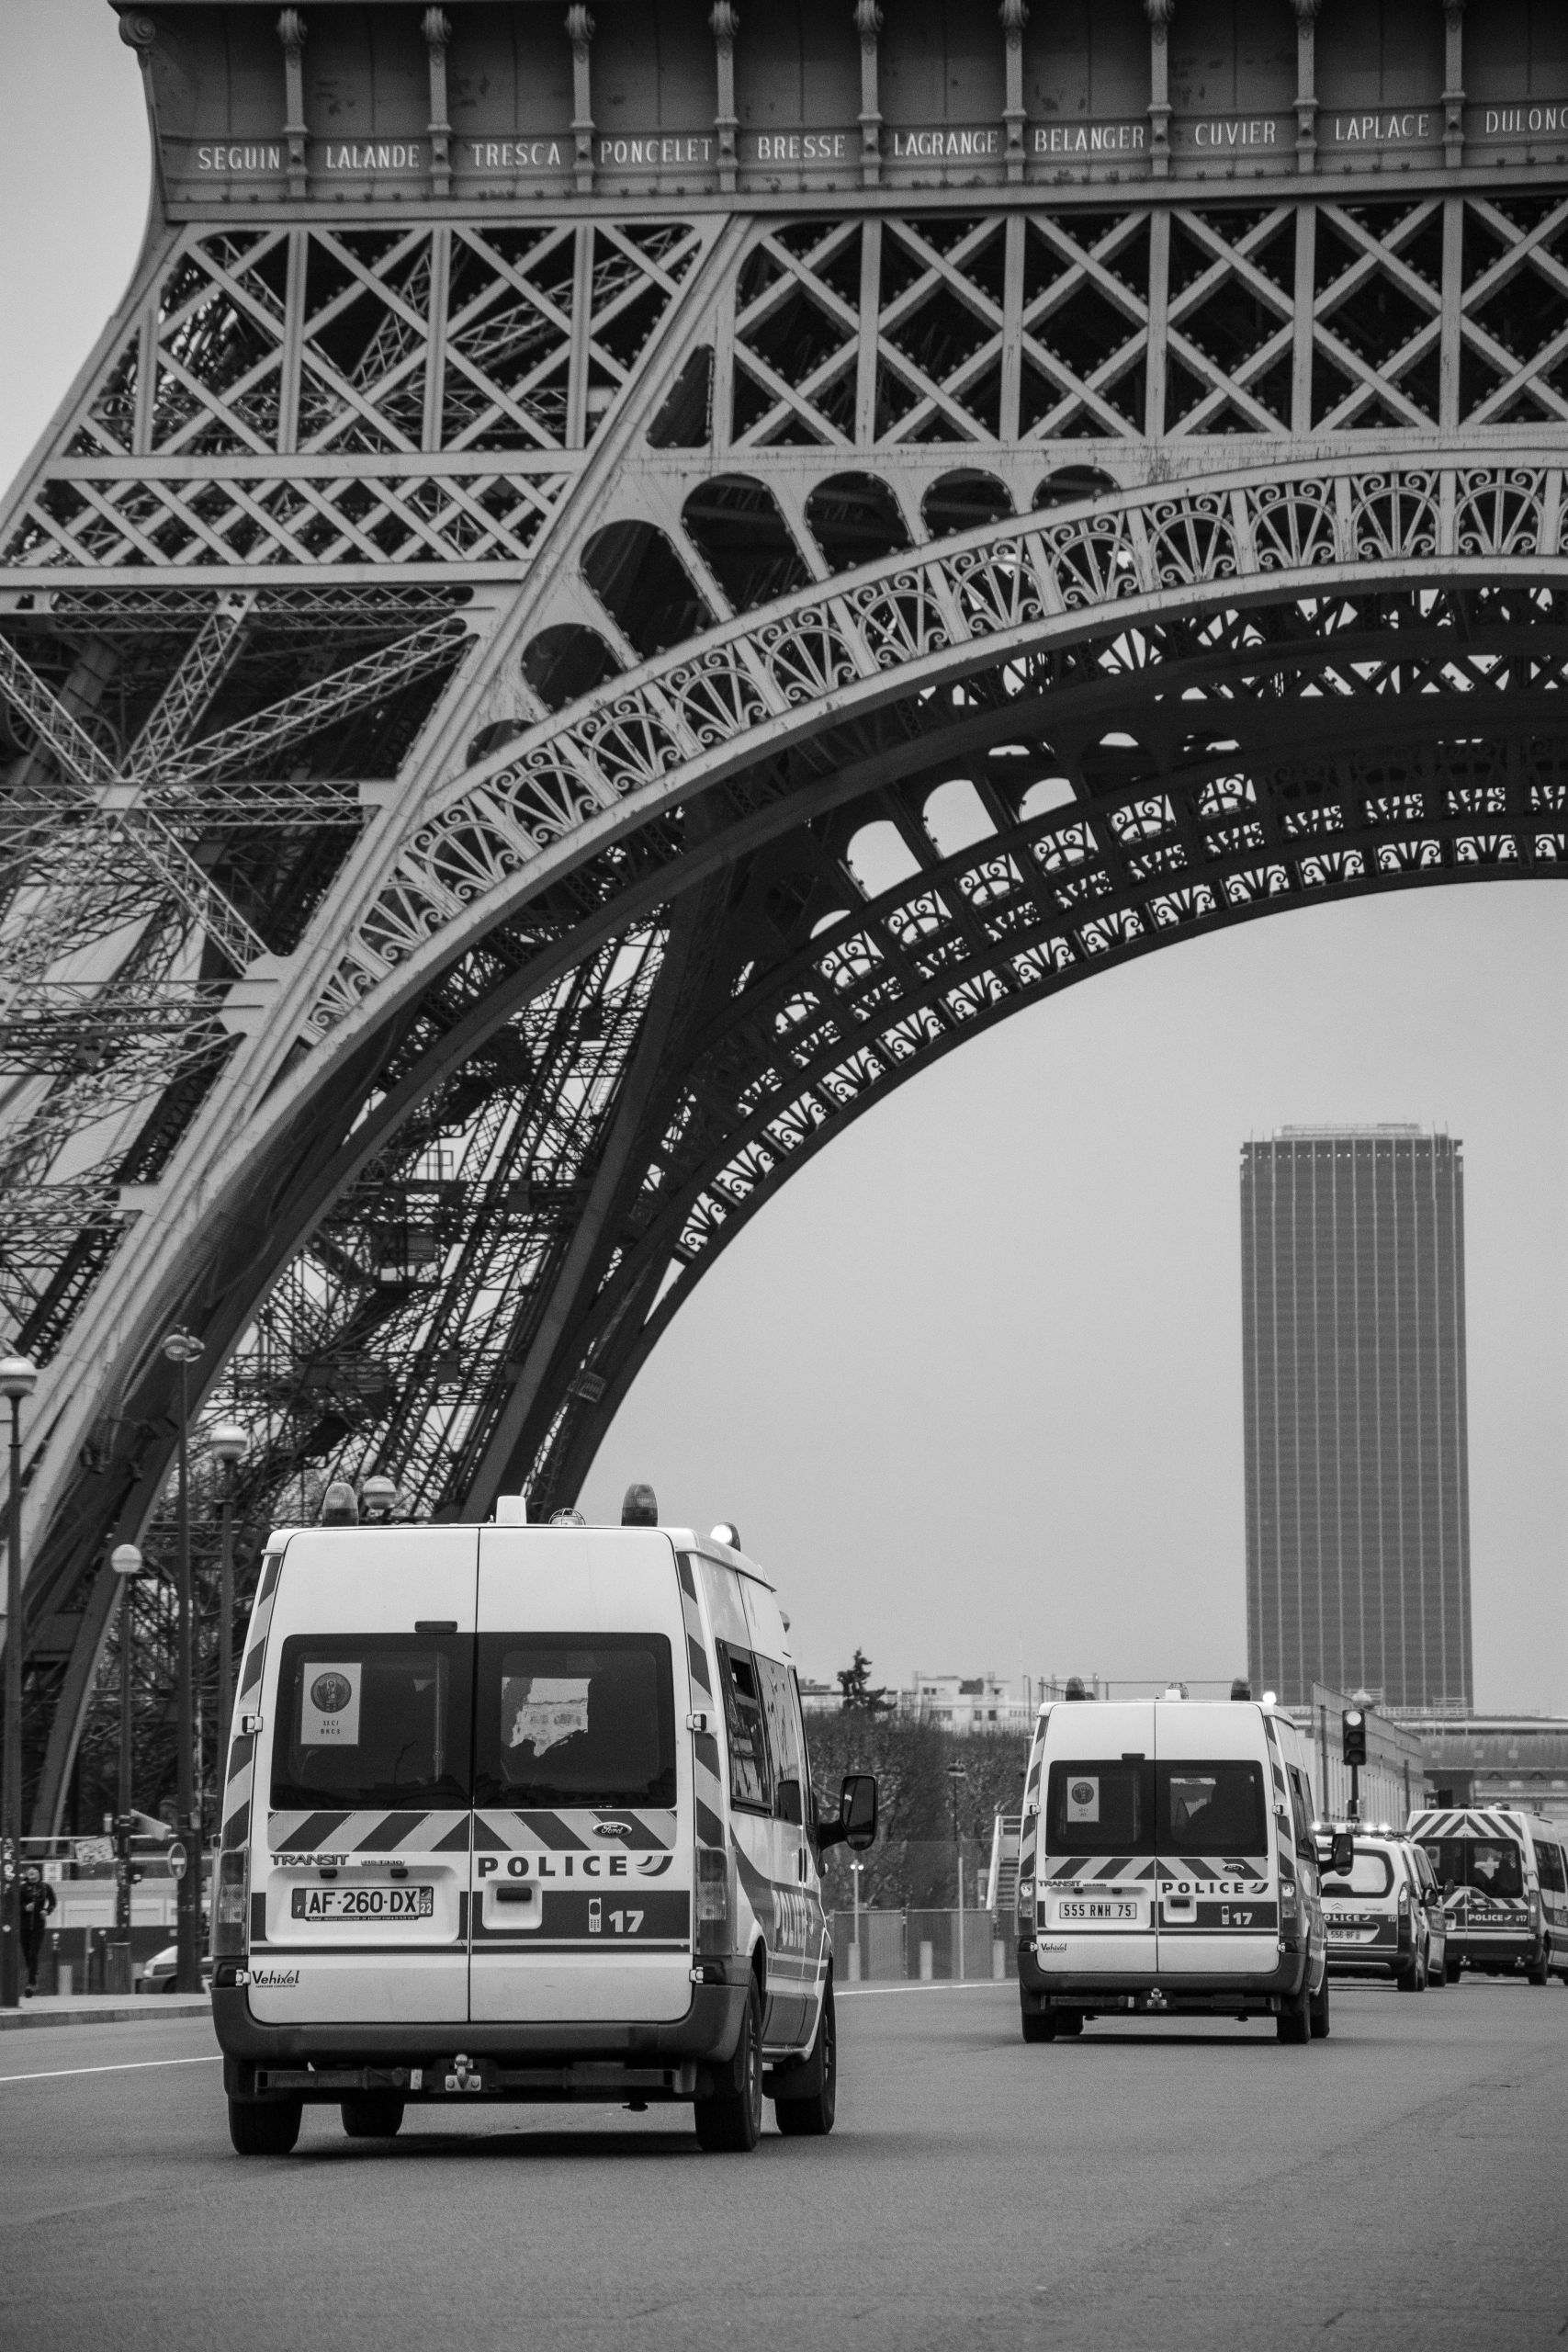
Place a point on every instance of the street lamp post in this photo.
(126, 1562)
(18, 1378)
(956, 1776)
(229, 1443)
(181, 1347)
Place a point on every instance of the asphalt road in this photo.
(1404, 2184)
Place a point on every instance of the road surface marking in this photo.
(941, 1985)
(125, 2066)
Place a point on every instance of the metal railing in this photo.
(919, 1946)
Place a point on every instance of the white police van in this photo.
(1167, 1866)
(1503, 1875)
(522, 1812)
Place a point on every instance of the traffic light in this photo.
(1353, 1729)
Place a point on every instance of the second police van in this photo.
(523, 1813)
(1167, 1866)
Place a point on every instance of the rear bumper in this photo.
(593, 2060)
(1224, 1994)
(1486, 1951)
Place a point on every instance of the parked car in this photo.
(157, 1975)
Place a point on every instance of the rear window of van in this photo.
(1104, 1807)
(372, 1721)
(574, 1719)
(1494, 1865)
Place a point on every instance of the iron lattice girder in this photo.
(119, 802)
(148, 1023)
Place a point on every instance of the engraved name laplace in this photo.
(1417, 124)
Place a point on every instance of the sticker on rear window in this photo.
(1083, 1799)
(539, 1711)
(328, 1706)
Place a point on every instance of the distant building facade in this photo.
(1488, 1761)
(1358, 1495)
(955, 1703)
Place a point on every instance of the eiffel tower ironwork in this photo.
(612, 591)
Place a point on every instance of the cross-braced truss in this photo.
(519, 727)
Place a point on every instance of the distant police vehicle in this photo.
(1167, 1866)
(523, 1813)
(1505, 1889)
(1381, 1915)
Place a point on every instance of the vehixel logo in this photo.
(612, 1829)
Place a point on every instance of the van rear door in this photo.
(582, 1797)
(1095, 1898)
(1219, 1911)
(359, 1858)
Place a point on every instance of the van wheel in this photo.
(1294, 2021)
(811, 2117)
(1451, 1971)
(373, 2115)
(1070, 2021)
(1409, 1979)
(729, 2122)
(1039, 2025)
(1539, 1974)
(1318, 2011)
(264, 2127)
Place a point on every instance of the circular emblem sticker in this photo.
(1083, 1791)
(330, 1693)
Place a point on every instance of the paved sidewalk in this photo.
(105, 2008)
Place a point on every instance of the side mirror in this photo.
(788, 1805)
(1335, 1850)
(857, 1810)
(856, 1824)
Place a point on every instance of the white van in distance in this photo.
(1167, 1866)
(1504, 1885)
(523, 1813)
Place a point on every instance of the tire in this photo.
(1451, 1971)
(1540, 1974)
(1070, 2022)
(1294, 2023)
(373, 2115)
(1409, 1979)
(1039, 2025)
(1317, 2011)
(811, 2117)
(730, 2121)
(267, 2127)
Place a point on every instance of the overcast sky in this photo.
(971, 1386)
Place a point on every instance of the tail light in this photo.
(229, 1940)
(713, 1899)
(1026, 1903)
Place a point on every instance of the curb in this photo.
(153, 2009)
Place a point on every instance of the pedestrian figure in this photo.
(37, 1902)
